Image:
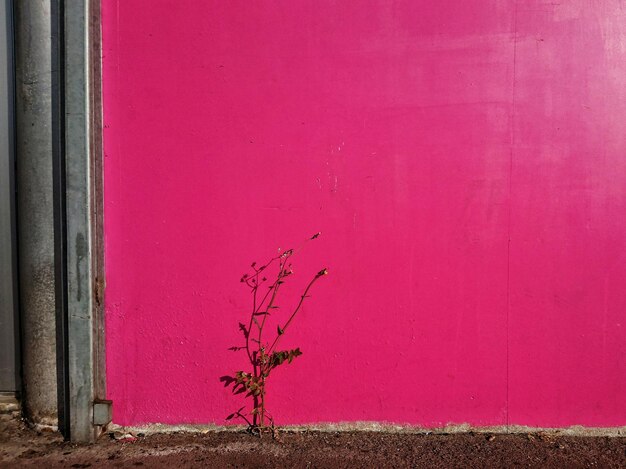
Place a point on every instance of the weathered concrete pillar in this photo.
(35, 203)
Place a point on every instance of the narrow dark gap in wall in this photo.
(12, 138)
(60, 235)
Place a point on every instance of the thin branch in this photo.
(321, 273)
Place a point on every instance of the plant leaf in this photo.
(227, 380)
(242, 328)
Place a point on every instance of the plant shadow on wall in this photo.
(260, 346)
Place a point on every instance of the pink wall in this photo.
(464, 159)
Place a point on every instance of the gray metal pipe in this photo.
(35, 204)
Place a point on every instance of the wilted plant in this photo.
(262, 352)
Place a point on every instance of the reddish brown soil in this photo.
(21, 447)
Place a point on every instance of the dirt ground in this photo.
(23, 447)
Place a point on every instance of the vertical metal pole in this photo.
(35, 222)
(82, 166)
(59, 201)
(80, 308)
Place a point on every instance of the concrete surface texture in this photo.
(35, 220)
(463, 160)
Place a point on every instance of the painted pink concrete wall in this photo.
(464, 159)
